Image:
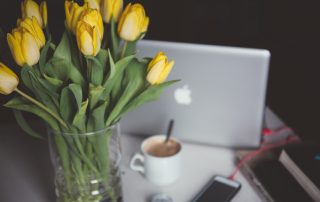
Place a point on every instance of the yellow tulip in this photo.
(88, 39)
(93, 4)
(133, 22)
(32, 26)
(8, 80)
(73, 13)
(23, 46)
(159, 69)
(94, 19)
(30, 8)
(44, 13)
(111, 8)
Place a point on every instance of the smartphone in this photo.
(219, 189)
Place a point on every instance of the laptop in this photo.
(220, 99)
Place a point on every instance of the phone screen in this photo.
(218, 192)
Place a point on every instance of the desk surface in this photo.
(200, 164)
(26, 173)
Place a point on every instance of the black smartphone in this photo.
(219, 189)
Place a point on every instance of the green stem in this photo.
(47, 31)
(124, 48)
(62, 149)
(114, 39)
(42, 107)
(82, 69)
(53, 46)
(84, 156)
(105, 37)
(89, 69)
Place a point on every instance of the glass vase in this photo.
(87, 165)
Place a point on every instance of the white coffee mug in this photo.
(158, 170)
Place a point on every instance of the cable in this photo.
(265, 147)
(269, 132)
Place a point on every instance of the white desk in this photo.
(26, 174)
(200, 164)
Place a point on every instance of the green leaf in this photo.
(67, 105)
(152, 93)
(75, 52)
(55, 82)
(50, 99)
(80, 119)
(103, 57)
(97, 120)
(25, 77)
(61, 66)
(136, 80)
(77, 93)
(43, 56)
(131, 48)
(58, 68)
(117, 88)
(43, 90)
(96, 68)
(96, 93)
(63, 50)
(51, 88)
(120, 66)
(30, 80)
(63, 70)
(76, 76)
(24, 125)
(112, 66)
(114, 39)
(22, 104)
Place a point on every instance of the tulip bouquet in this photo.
(83, 85)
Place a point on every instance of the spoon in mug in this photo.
(169, 131)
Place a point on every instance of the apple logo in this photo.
(183, 95)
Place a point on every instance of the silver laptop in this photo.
(220, 99)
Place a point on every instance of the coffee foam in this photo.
(157, 147)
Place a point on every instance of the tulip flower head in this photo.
(30, 8)
(88, 39)
(133, 22)
(8, 80)
(24, 46)
(159, 69)
(93, 4)
(32, 26)
(111, 9)
(73, 12)
(94, 19)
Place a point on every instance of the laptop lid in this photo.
(219, 101)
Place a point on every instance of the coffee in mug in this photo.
(158, 148)
(161, 162)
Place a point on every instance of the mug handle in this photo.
(133, 164)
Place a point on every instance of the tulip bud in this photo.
(94, 19)
(23, 46)
(111, 8)
(93, 4)
(8, 80)
(133, 22)
(44, 13)
(73, 12)
(32, 26)
(159, 69)
(30, 8)
(88, 39)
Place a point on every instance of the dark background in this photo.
(289, 29)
